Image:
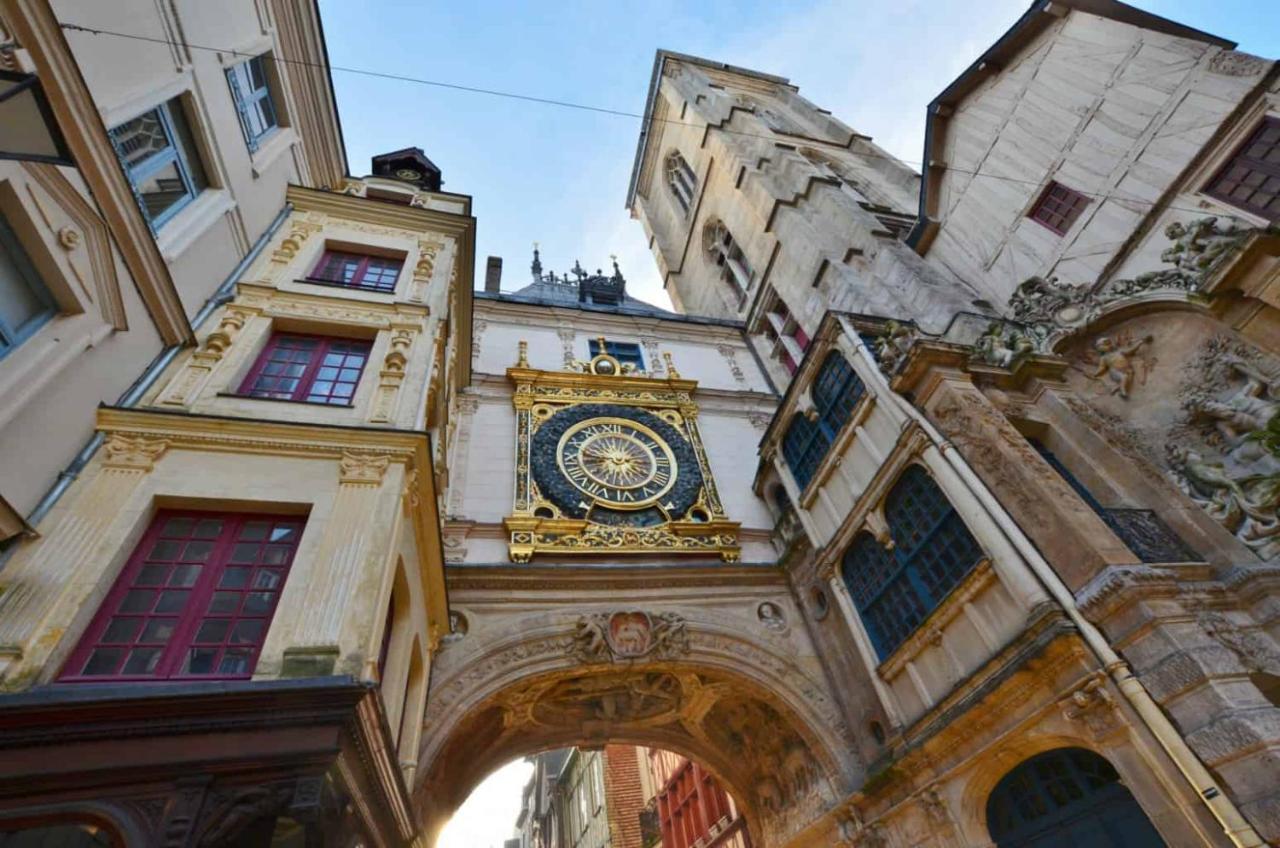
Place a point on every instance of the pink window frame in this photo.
(361, 269)
(1077, 203)
(193, 614)
(308, 378)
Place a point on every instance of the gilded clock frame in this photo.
(536, 526)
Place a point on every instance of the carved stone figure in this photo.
(893, 344)
(1198, 245)
(771, 616)
(1117, 363)
(629, 635)
(1249, 506)
(1251, 407)
(1003, 346)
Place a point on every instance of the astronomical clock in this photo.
(611, 462)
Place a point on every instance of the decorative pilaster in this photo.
(342, 563)
(467, 407)
(391, 376)
(300, 230)
(653, 356)
(423, 270)
(52, 573)
(187, 385)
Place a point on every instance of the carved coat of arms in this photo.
(629, 635)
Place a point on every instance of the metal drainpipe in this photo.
(221, 295)
(1233, 822)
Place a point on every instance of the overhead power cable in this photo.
(584, 107)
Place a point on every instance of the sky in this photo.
(558, 176)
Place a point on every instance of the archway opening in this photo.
(615, 795)
(1064, 798)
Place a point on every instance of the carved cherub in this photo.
(1197, 246)
(1116, 363)
(996, 347)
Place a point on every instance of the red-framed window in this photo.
(1058, 207)
(1251, 180)
(194, 601)
(694, 810)
(310, 369)
(356, 271)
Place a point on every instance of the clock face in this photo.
(617, 462)
(408, 174)
(614, 464)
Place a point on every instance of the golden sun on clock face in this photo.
(616, 462)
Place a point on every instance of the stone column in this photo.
(48, 580)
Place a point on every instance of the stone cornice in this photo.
(38, 31)
(507, 577)
(413, 219)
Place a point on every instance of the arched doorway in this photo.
(1067, 798)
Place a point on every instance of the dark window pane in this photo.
(257, 603)
(254, 530)
(103, 661)
(234, 578)
(200, 661)
(247, 632)
(159, 630)
(213, 630)
(224, 602)
(184, 575)
(165, 550)
(172, 600)
(235, 661)
(138, 600)
(152, 575)
(142, 661)
(122, 630)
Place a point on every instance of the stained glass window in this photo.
(895, 590)
(835, 391)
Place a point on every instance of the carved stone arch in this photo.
(732, 701)
(1117, 312)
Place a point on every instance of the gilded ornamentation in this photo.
(132, 453)
(629, 635)
(611, 461)
(299, 231)
(362, 469)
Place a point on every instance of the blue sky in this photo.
(558, 176)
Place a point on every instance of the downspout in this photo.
(134, 393)
(1202, 782)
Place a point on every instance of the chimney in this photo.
(493, 274)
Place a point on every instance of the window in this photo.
(788, 337)
(835, 391)
(681, 179)
(1058, 207)
(1251, 180)
(725, 253)
(354, 271)
(894, 591)
(1068, 796)
(252, 95)
(311, 369)
(627, 353)
(25, 304)
(195, 599)
(159, 156)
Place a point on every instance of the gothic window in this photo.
(355, 271)
(25, 303)
(681, 179)
(835, 391)
(1251, 179)
(159, 156)
(1058, 207)
(788, 338)
(895, 590)
(251, 93)
(1064, 798)
(310, 369)
(627, 353)
(195, 599)
(727, 256)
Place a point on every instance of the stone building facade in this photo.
(941, 512)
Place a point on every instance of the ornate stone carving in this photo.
(1232, 63)
(1003, 345)
(1255, 649)
(567, 337)
(391, 376)
(893, 344)
(1202, 243)
(69, 238)
(771, 616)
(353, 187)
(1226, 457)
(629, 635)
(1119, 362)
(132, 453)
(362, 469)
(300, 229)
(228, 813)
(1092, 704)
